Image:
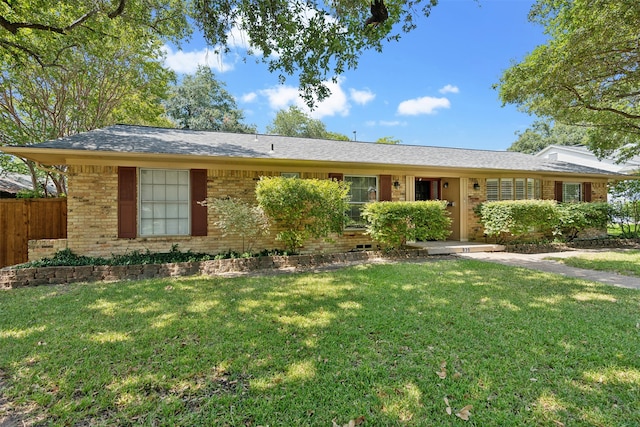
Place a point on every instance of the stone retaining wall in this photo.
(535, 248)
(38, 276)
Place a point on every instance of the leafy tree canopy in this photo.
(388, 140)
(313, 39)
(295, 122)
(42, 30)
(117, 81)
(587, 74)
(201, 102)
(543, 133)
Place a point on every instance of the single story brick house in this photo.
(137, 188)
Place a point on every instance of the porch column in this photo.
(464, 209)
(410, 188)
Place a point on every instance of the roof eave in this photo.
(52, 156)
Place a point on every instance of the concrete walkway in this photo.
(538, 262)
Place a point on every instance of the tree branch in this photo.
(594, 108)
(13, 27)
(118, 11)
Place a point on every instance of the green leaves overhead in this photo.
(587, 74)
(41, 31)
(313, 40)
(316, 40)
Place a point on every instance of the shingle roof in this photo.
(141, 139)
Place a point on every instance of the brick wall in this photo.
(475, 197)
(93, 219)
(92, 216)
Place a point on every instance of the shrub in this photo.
(240, 218)
(394, 223)
(575, 217)
(303, 208)
(517, 218)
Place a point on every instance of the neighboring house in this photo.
(139, 188)
(12, 183)
(580, 155)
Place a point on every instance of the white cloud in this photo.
(187, 62)
(424, 105)
(392, 123)
(449, 89)
(336, 104)
(281, 97)
(361, 97)
(249, 97)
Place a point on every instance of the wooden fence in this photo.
(22, 220)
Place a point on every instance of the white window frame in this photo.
(565, 199)
(360, 204)
(512, 189)
(163, 208)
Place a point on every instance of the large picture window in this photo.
(364, 189)
(571, 192)
(164, 202)
(512, 189)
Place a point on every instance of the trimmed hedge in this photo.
(394, 223)
(516, 219)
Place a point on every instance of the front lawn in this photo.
(622, 262)
(381, 345)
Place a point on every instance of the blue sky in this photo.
(433, 87)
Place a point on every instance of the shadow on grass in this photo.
(306, 349)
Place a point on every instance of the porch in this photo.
(453, 247)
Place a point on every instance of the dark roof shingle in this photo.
(141, 139)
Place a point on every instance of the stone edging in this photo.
(534, 248)
(39, 276)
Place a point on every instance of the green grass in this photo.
(522, 347)
(622, 262)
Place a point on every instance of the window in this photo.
(512, 189)
(364, 189)
(492, 189)
(571, 192)
(290, 174)
(164, 202)
(506, 189)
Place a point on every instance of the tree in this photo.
(200, 102)
(543, 133)
(388, 140)
(238, 217)
(587, 73)
(313, 39)
(42, 31)
(295, 122)
(115, 82)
